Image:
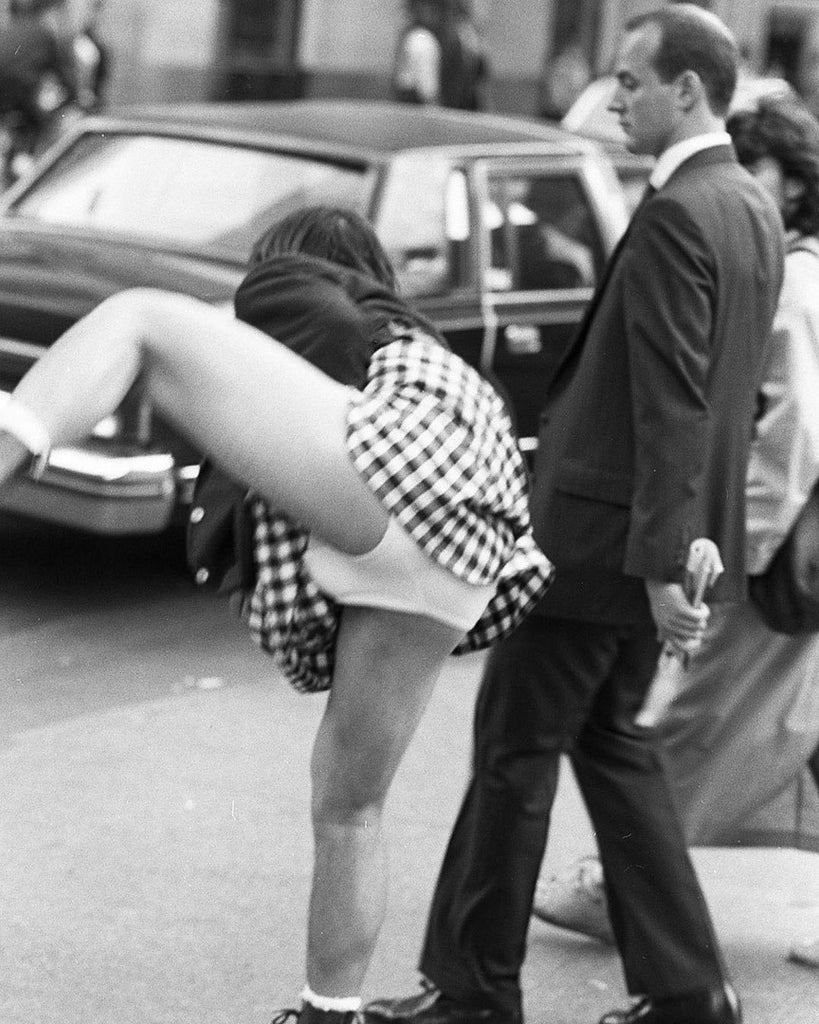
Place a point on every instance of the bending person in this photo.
(748, 688)
(404, 504)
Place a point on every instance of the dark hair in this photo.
(786, 130)
(332, 233)
(693, 39)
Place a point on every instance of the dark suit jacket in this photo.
(644, 441)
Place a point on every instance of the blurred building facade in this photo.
(540, 50)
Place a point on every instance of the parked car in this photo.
(498, 228)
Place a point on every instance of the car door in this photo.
(548, 225)
(428, 220)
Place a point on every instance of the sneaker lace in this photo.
(283, 1016)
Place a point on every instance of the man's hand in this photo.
(679, 622)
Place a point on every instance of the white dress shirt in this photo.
(675, 155)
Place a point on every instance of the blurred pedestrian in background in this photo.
(440, 58)
(91, 59)
(567, 75)
(35, 72)
(643, 448)
(464, 60)
(745, 725)
(50, 74)
(417, 68)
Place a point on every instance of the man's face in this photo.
(644, 105)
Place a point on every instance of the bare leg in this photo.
(278, 424)
(268, 416)
(387, 665)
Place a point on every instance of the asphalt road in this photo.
(66, 598)
(154, 845)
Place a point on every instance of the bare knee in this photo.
(349, 784)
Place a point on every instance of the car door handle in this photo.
(522, 339)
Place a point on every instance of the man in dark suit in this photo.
(643, 448)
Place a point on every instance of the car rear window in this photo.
(210, 196)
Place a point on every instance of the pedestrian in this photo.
(388, 506)
(31, 56)
(440, 58)
(91, 62)
(464, 60)
(643, 448)
(35, 82)
(749, 687)
(416, 76)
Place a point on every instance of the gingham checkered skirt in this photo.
(433, 440)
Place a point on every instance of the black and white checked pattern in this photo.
(289, 617)
(433, 440)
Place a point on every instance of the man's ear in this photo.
(794, 189)
(689, 89)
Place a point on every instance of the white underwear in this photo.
(398, 576)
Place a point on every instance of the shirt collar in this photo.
(675, 155)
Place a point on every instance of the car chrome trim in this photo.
(110, 495)
(107, 468)
(21, 349)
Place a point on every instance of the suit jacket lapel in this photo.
(712, 155)
(594, 302)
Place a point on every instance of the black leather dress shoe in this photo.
(720, 1006)
(432, 1007)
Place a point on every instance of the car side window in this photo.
(542, 233)
(424, 225)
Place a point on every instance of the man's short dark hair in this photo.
(692, 39)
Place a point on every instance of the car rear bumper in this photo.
(124, 491)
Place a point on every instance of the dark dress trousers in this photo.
(643, 448)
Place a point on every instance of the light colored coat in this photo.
(784, 462)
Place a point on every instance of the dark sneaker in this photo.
(309, 1014)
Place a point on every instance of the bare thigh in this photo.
(262, 413)
(276, 422)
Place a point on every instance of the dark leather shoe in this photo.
(433, 1007)
(720, 1006)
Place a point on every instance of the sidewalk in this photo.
(156, 861)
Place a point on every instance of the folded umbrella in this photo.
(702, 569)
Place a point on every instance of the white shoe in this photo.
(806, 953)
(575, 899)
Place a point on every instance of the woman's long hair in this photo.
(785, 130)
(331, 233)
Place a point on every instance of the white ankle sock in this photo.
(342, 1004)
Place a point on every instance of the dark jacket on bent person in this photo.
(644, 441)
(333, 317)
